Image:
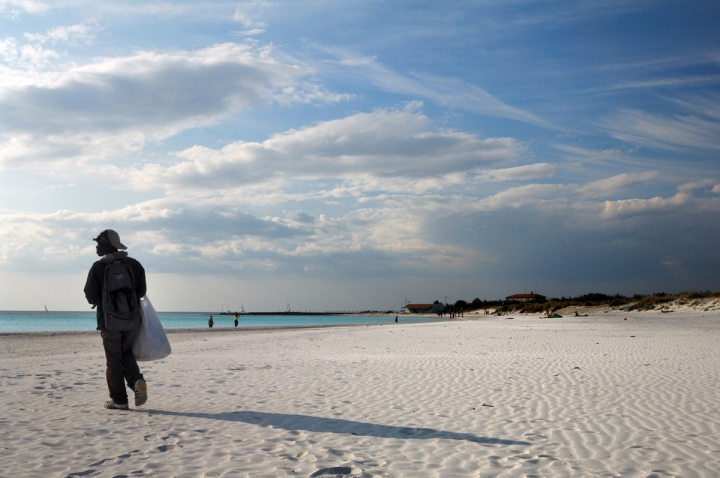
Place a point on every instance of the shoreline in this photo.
(40, 323)
(594, 313)
(224, 328)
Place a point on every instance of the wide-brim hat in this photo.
(111, 237)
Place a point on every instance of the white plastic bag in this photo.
(151, 343)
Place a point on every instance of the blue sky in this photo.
(350, 155)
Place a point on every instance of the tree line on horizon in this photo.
(634, 302)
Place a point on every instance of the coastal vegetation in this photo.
(634, 302)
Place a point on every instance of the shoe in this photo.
(140, 392)
(116, 406)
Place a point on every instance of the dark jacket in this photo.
(96, 278)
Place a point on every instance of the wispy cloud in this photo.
(530, 195)
(706, 104)
(661, 63)
(441, 90)
(18, 60)
(658, 132)
(519, 173)
(247, 13)
(34, 56)
(14, 8)
(586, 154)
(81, 32)
(635, 207)
(603, 188)
(695, 80)
(702, 184)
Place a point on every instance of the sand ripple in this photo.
(596, 396)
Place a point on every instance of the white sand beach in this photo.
(480, 397)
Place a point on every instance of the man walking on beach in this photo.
(121, 364)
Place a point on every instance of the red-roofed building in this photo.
(531, 297)
(423, 308)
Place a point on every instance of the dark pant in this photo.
(121, 363)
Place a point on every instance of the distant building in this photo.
(423, 308)
(531, 297)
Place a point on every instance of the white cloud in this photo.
(306, 93)
(633, 207)
(394, 145)
(8, 50)
(116, 105)
(23, 60)
(246, 14)
(198, 235)
(522, 196)
(358, 185)
(358, 60)
(13, 8)
(251, 32)
(519, 173)
(585, 155)
(701, 184)
(81, 32)
(609, 186)
(420, 232)
(163, 227)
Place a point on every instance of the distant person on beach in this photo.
(211, 322)
(236, 318)
(396, 318)
(118, 316)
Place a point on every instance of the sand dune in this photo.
(592, 396)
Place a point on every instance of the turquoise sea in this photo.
(23, 321)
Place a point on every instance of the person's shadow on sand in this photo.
(336, 425)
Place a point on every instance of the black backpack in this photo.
(121, 306)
